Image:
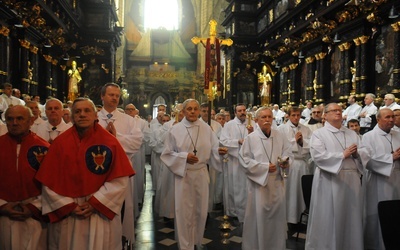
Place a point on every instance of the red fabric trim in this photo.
(218, 53)
(208, 65)
(62, 212)
(101, 208)
(36, 213)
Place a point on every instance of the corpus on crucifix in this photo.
(212, 74)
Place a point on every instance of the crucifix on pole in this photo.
(212, 73)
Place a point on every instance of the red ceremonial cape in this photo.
(77, 167)
(18, 183)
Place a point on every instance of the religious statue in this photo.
(289, 92)
(73, 82)
(315, 84)
(353, 79)
(30, 71)
(266, 79)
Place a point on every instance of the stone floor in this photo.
(153, 232)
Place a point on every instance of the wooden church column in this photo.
(396, 57)
(310, 76)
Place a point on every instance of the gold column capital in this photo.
(4, 31)
(357, 41)
(320, 55)
(285, 69)
(396, 26)
(310, 59)
(48, 58)
(347, 45)
(364, 39)
(24, 43)
(293, 66)
(33, 49)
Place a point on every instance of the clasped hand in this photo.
(83, 211)
(222, 150)
(299, 138)
(111, 128)
(16, 211)
(351, 150)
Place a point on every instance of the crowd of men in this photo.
(74, 174)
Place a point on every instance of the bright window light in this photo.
(161, 14)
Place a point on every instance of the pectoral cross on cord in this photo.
(191, 139)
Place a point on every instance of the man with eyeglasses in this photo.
(382, 177)
(336, 191)
(367, 113)
(315, 122)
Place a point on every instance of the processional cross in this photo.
(212, 73)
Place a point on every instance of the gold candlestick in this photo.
(225, 228)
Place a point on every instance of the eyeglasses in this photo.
(334, 110)
(316, 112)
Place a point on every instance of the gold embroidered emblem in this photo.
(99, 159)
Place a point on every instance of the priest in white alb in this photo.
(299, 137)
(191, 145)
(382, 180)
(265, 217)
(335, 220)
